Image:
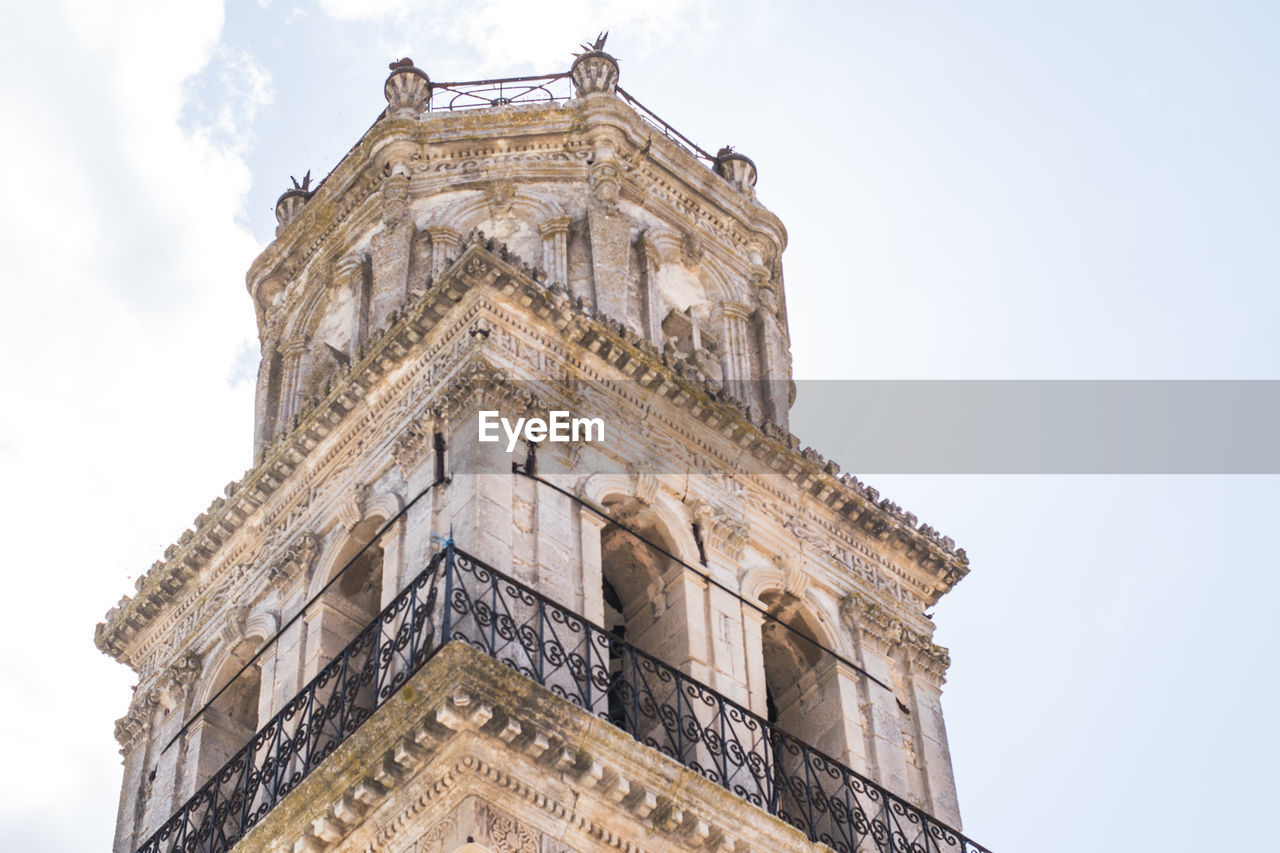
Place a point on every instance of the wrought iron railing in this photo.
(459, 598)
(311, 726)
(481, 94)
(651, 118)
(543, 89)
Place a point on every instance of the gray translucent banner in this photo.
(886, 427)
(1042, 427)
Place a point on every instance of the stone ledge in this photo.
(467, 726)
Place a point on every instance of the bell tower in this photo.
(528, 560)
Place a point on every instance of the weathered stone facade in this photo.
(524, 257)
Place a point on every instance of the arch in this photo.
(352, 602)
(515, 219)
(477, 206)
(233, 696)
(720, 283)
(762, 584)
(376, 510)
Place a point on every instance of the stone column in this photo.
(394, 574)
(723, 536)
(775, 368)
(591, 526)
(610, 233)
(555, 252)
(348, 272)
(736, 350)
(444, 247)
(134, 733)
(210, 742)
(650, 325)
(266, 406)
(555, 544)
(391, 249)
(329, 628)
(928, 666)
(291, 383)
(822, 710)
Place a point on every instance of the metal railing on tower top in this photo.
(457, 598)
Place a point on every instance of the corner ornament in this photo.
(291, 201)
(737, 169)
(407, 90)
(594, 71)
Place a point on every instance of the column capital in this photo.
(554, 226)
(443, 234)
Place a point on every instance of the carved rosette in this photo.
(737, 169)
(408, 90)
(594, 72)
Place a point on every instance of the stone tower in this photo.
(674, 630)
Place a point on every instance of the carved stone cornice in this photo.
(471, 752)
(173, 686)
(888, 633)
(412, 446)
(665, 176)
(296, 562)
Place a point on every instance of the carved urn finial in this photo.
(291, 201)
(737, 169)
(408, 90)
(593, 70)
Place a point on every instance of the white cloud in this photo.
(124, 309)
(513, 32)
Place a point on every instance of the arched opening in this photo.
(640, 610)
(632, 566)
(231, 720)
(353, 600)
(361, 584)
(791, 652)
(796, 701)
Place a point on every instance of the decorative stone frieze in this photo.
(887, 632)
(297, 560)
(177, 680)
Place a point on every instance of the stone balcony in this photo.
(471, 689)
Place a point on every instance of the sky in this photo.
(986, 190)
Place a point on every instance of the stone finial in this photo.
(291, 201)
(408, 90)
(737, 169)
(593, 70)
